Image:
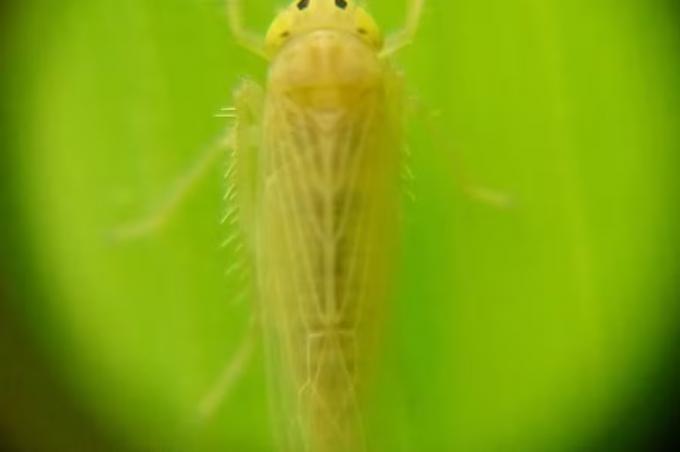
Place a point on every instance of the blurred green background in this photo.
(550, 326)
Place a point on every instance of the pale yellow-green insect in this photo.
(317, 156)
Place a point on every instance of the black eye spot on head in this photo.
(342, 4)
(284, 34)
(362, 31)
(302, 4)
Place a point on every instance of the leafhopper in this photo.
(319, 154)
(317, 157)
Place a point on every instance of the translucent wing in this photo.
(326, 223)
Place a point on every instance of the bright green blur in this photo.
(523, 329)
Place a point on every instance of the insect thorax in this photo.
(325, 69)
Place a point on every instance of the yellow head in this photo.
(304, 16)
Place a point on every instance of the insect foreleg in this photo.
(404, 37)
(246, 38)
(161, 213)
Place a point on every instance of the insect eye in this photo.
(285, 34)
(302, 4)
(342, 4)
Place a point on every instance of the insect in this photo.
(317, 160)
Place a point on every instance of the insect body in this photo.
(316, 162)
(318, 154)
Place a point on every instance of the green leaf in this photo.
(527, 328)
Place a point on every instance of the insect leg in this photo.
(249, 102)
(161, 213)
(246, 38)
(404, 37)
(230, 375)
(241, 175)
(461, 176)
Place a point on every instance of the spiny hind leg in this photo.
(246, 38)
(159, 215)
(242, 173)
(241, 177)
(404, 37)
